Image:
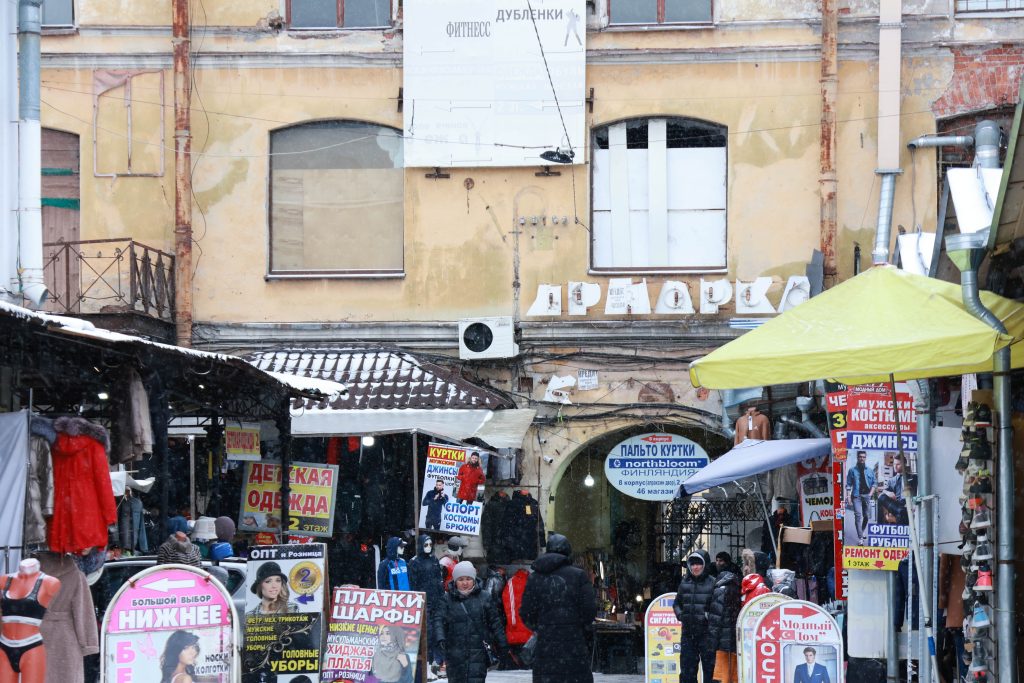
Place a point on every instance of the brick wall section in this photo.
(982, 79)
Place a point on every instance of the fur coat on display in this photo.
(83, 500)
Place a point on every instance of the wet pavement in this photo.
(527, 677)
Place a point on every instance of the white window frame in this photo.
(987, 6)
(639, 223)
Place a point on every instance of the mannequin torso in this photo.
(753, 425)
(23, 600)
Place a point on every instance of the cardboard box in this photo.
(796, 534)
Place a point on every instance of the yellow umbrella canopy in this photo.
(882, 321)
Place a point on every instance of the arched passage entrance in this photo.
(613, 533)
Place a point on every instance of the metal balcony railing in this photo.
(109, 276)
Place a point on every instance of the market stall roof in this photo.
(752, 457)
(882, 321)
(1008, 216)
(49, 347)
(394, 391)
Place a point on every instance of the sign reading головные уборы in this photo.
(652, 466)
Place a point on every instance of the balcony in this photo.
(119, 284)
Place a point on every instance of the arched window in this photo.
(337, 200)
(659, 196)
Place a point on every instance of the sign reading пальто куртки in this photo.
(652, 466)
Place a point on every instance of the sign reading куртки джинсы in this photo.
(652, 466)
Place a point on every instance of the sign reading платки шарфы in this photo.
(651, 466)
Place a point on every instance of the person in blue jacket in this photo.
(434, 502)
(810, 671)
(392, 572)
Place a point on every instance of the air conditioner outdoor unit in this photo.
(487, 338)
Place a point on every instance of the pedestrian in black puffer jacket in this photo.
(466, 620)
(722, 616)
(693, 600)
(559, 605)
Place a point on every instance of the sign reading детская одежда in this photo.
(652, 466)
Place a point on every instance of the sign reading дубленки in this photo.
(652, 466)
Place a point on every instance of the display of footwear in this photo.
(984, 582)
(980, 618)
(968, 549)
(979, 656)
(983, 550)
(979, 677)
(974, 502)
(970, 413)
(982, 416)
(980, 450)
(982, 518)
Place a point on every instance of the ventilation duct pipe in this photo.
(30, 212)
(941, 141)
(883, 230)
(987, 136)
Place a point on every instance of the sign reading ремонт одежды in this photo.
(651, 466)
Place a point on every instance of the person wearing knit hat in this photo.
(225, 528)
(469, 628)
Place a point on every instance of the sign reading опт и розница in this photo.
(652, 466)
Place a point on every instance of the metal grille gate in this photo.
(712, 525)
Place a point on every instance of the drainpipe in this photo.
(182, 174)
(890, 58)
(987, 137)
(8, 150)
(30, 213)
(966, 252)
(827, 152)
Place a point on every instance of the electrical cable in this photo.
(551, 81)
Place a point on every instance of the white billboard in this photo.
(476, 90)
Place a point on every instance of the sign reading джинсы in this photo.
(652, 466)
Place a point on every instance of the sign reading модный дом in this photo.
(652, 466)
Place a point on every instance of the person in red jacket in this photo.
(470, 476)
(516, 631)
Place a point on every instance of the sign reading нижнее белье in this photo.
(476, 87)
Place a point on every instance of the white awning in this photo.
(754, 457)
(497, 428)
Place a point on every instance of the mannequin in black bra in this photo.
(23, 600)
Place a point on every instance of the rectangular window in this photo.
(988, 5)
(327, 14)
(58, 13)
(625, 12)
(337, 194)
(659, 196)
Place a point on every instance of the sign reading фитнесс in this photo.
(652, 466)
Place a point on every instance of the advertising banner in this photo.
(876, 532)
(797, 642)
(493, 82)
(814, 486)
(750, 614)
(284, 613)
(310, 503)
(169, 620)
(835, 407)
(449, 474)
(373, 636)
(662, 633)
(652, 466)
(242, 442)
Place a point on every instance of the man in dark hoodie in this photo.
(392, 572)
(722, 616)
(693, 599)
(434, 501)
(559, 605)
(426, 576)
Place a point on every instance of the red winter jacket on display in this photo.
(512, 597)
(83, 500)
(470, 478)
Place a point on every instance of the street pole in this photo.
(182, 173)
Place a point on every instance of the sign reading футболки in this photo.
(652, 466)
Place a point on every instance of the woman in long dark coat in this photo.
(559, 605)
(466, 620)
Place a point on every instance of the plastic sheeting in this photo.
(13, 479)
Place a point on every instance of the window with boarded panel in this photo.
(61, 217)
(659, 196)
(337, 200)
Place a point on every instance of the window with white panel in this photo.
(659, 196)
